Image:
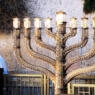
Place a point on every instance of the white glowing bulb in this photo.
(84, 22)
(27, 22)
(60, 17)
(48, 23)
(73, 23)
(93, 22)
(16, 23)
(37, 23)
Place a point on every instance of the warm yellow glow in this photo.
(16, 23)
(27, 22)
(60, 17)
(93, 24)
(48, 23)
(84, 22)
(37, 23)
(73, 23)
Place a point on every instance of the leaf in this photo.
(89, 6)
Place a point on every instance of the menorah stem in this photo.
(60, 60)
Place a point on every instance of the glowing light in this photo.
(60, 17)
(27, 22)
(37, 23)
(73, 23)
(16, 23)
(84, 22)
(48, 23)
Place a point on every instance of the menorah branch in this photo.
(50, 33)
(23, 43)
(27, 45)
(72, 33)
(86, 56)
(82, 43)
(79, 71)
(23, 62)
(39, 41)
(29, 66)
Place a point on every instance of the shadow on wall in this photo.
(3, 65)
(10, 9)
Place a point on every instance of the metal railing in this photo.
(30, 84)
(27, 84)
(82, 85)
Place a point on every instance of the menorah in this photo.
(59, 65)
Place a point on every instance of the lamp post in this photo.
(59, 65)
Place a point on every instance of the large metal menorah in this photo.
(59, 65)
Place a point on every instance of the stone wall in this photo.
(48, 8)
(6, 50)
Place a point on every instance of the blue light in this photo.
(3, 65)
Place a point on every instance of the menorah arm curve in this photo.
(52, 48)
(79, 71)
(29, 66)
(44, 45)
(86, 56)
(72, 33)
(82, 43)
(50, 33)
(35, 54)
(38, 40)
(71, 48)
